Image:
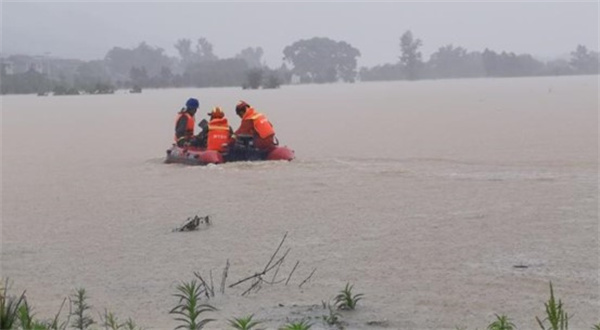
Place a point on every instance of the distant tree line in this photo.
(316, 60)
(456, 62)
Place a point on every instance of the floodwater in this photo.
(444, 202)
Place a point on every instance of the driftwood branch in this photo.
(194, 223)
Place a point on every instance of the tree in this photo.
(121, 60)
(254, 78)
(584, 61)
(91, 73)
(139, 76)
(455, 62)
(204, 50)
(510, 65)
(386, 72)
(411, 56)
(322, 60)
(252, 56)
(184, 48)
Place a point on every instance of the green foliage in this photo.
(556, 316)
(82, 318)
(502, 323)
(244, 323)
(298, 325)
(9, 307)
(332, 318)
(130, 325)
(26, 318)
(596, 327)
(189, 308)
(111, 322)
(345, 300)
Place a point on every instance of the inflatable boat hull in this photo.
(195, 156)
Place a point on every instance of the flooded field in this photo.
(444, 202)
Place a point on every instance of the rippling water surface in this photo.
(424, 195)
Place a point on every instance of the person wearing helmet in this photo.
(257, 126)
(218, 131)
(184, 124)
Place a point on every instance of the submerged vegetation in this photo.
(16, 313)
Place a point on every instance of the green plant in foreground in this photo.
(26, 318)
(244, 323)
(130, 325)
(82, 319)
(596, 327)
(110, 321)
(502, 323)
(299, 325)
(333, 318)
(345, 300)
(9, 307)
(189, 308)
(555, 314)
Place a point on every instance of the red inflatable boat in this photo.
(198, 156)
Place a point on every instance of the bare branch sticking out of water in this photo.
(274, 263)
(224, 277)
(212, 285)
(268, 267)
(194, 223)
(293, 269)
(308, 278)
(208, 291)
(274, 254)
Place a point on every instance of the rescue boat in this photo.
(200, 156)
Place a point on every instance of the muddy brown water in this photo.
(444, 202)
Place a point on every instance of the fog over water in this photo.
(425, 195)
(87, 30)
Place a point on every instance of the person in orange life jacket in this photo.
(257, 126)
(216, 134)
(184, 124)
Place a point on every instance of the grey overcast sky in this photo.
(87, 30)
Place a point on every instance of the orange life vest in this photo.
(218, 134)
(189, 127)
(261, 124)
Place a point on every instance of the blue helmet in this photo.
(192, 103)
